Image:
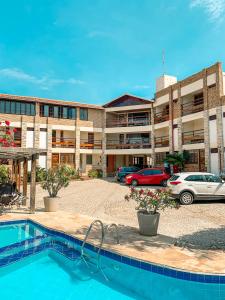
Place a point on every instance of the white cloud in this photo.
(142, 87)
(215, 9)
(44, 82)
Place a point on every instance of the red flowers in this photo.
(6, 137)
(7, 123)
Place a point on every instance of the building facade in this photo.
(186, 115)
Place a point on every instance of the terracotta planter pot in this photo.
(148, 224)
(51, 204)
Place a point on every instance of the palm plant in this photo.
(177, 159)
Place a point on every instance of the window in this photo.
(174, 178)
(13, 107)
(213, 178)
(18, 108)
(23, 108)
(83, 114)
(32, 109)
(28, 109)
(46, 111)
(156, 172)
(147, 172)
(65, 113)
(7, 107)
(2, 106)
(192, 157)
(56, 112)
(198, 99)
(199, 178)
(71, 113)
(89, 159)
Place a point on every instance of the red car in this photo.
(151, 176)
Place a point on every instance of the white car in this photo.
(188, 187)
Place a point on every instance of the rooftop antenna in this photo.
(163, 61)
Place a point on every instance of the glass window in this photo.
(28, 109)
(89, 159)
(65, 112)
(56, 112)
(174, 178)
(13, 107)
(71, 113)
(156, 172)
(46, 111)
(213, 178)
(147, 172)
(7, 107)
(32, 109)
(200, 178)
(18, 108)
(23, 108)
(50, 111)
(2, 106)
(83, 114)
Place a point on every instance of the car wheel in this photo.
(122, 179)
(186, 198)
(134, 182)
(164, 183)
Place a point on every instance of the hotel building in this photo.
(186, 115)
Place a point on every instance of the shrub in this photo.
(4, 174)
(95, 173)
(40, 174)
(56, 179)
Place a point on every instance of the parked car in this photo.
(188, 187)
(122, 172)
(151, 176)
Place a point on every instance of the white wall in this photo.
(43, 140)
(43, 161)
(213, 134)
(192, 87)
(175, 138)
(214, 163)
(30, 139)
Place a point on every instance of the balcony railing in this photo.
(135, 121)
(193, 137)
(17, 142)
(192, 107)
(162, 141)
(129, 144)
(95, 144)
(160, 117)
(63, 143)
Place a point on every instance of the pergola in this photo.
(18, 156)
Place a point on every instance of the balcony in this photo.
(94, 144)
(130, 122)
(160, 117)
(193, 137)
(162, 141)
(63, 143)
(128, 144)
(192, 107)
(17, 141)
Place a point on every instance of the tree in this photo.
(177, 159)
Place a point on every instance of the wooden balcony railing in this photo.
(162, 141)
(63, 143)
(193, 137)
(135, 121)
(192, 107)
(160, 117)
(134, 144)
(95, 144)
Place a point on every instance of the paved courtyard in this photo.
(201, 224)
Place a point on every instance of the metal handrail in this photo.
(113, 225)
(101, 240)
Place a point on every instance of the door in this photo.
(215, 186)
(55, 159)
(146, 177)
(197, 183)
(110, 164)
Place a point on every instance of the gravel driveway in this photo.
(201, 224)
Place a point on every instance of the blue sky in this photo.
(95, 50)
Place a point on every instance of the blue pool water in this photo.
(46, 265)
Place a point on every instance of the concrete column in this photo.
(103, 155)
(49, 146)
(179, 120)
(206, 123)
(152, 135)
(171, 140)
(77, 137)
(23, 134)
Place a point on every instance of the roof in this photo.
(48, 101)
(18, 153)
(123, 99)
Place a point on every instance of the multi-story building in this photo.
(186, 115)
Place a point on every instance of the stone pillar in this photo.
(104, 156)
(179, 120)
(171, 140)
(77, 137)
(152, 135)
(23, 134)
(206, 122)
(219, 117)
(49, 146)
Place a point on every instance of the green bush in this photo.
(4, 174)
(56, 179)
(75, 174)
(95, 173)
(40, 174)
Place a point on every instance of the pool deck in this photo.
(158, 249)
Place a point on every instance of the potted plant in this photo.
(148, 204)
(56, 179)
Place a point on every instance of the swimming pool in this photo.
(44, 264)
